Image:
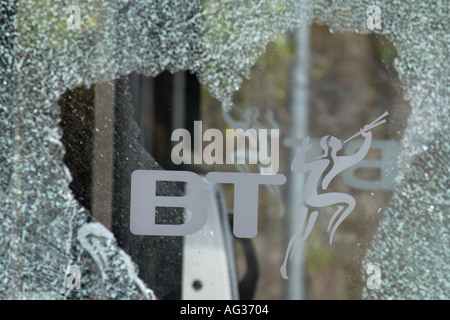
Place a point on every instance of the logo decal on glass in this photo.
(319, 179)
(321, 171)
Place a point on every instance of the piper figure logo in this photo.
(319, 180)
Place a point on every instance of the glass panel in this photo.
(92, 91)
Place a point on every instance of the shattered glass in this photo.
(45, 229)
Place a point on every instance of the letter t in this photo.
(246, 189)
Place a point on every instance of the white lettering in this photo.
(237, 151)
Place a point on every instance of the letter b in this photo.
(144, 202)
